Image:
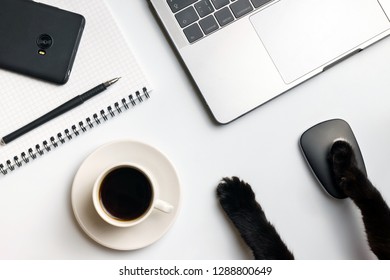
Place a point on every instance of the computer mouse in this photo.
(316, 143)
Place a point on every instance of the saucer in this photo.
(145, 233)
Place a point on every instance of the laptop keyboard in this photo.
(199, 18)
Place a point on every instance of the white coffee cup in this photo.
(125, 194)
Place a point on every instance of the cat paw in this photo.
(238, 201)
(342, 156)
(342, 161)
(235, 195)
(346, 174)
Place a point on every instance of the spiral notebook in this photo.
(103, 54)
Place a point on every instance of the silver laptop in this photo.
(243, 53)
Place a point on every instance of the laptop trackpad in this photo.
(303, 35)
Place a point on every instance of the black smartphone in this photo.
(39, 40)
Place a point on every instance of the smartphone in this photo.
(39, 40)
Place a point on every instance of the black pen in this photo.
(67, 106)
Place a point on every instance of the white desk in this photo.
(262, 147)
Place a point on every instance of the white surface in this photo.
(262, 147)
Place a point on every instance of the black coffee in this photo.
(126, 193)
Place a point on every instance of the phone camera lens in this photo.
(44, 41)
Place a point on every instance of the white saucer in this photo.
(148, 231)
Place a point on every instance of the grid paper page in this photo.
(23, 99)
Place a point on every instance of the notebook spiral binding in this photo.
(75, 130)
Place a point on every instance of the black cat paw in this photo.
(342, 156)
(238, 201)
(235, 195)
(342, 161)
(345, 172)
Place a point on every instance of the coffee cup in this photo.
(125, 194)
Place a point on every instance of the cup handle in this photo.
(163, 206)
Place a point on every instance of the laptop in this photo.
(244, 53)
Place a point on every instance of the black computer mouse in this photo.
(316, 143)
